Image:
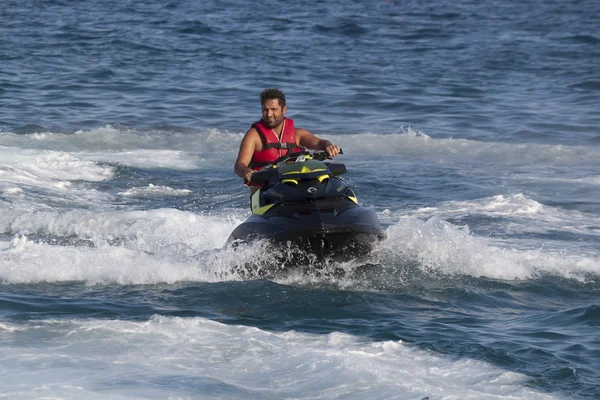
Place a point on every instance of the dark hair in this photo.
(269, 94)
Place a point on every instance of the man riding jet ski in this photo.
(302, 202)
(274, 136)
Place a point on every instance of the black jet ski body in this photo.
(303, 203)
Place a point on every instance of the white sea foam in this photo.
(42, 167)
(155, 246)
(148, 231)
(37, 179)
(154, 191)
(169, 357)
(417, 144)
(125, 247)
(525, 214)
(167, 159)
(111, 139)
(151, 149)
(25, 261)
(407, 143)
(129, 247)
(443, 248)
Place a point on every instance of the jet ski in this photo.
(303, 204)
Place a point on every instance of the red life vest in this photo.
(272, 146)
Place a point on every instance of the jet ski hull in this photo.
(337, 235)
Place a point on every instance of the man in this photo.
(274, 136)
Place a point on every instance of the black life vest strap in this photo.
(254, 164)
(292, 149)
(277, 145)
(281, 146)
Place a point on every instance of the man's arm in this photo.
(245, 154)
(310, 141)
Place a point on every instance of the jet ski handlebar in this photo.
(319, 155)
(298, 156)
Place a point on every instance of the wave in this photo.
(519, 213)
(440, 248)
(115, 138)
(146, 231)
(38, 166)
(155, 246)
(41, 179)
(293, 364)
(37, 178)
(183, 147)
(460, 151)
(154, 191)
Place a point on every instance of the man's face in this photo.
(272, 113)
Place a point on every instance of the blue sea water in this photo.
(471, 128)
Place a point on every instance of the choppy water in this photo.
(471, 128)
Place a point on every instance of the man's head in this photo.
(270, 94)
(273, 107)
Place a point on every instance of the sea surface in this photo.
(472, 129)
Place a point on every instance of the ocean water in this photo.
(471, 128)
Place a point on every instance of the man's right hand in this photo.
(248, 175)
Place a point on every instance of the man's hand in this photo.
(248, 175)
(332, 150)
